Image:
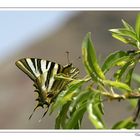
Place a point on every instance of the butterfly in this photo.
(42, 73)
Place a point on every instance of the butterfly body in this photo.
(42, 73)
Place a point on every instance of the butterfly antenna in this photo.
(33, 112)
(68, 56)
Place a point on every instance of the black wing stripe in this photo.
(53, 72)
(22, 65)
(33, 61)
(26, 66)
(39, 66)
(57, 82)
(50, 69)
(31, 67)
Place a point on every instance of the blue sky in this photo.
(17, 27)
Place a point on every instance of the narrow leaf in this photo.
(124, 32)
(76, 117)
(116, 84)
(68, 94)
(89, 58)
(113, 59)
(82, 97)
(137, 26)
(127, 26)
(127, 123)
(122, 70)
(124, 39)
(136, 77)
(133, 102)
(129, 76)
(62, 117)
(94, 112)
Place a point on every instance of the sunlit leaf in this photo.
(127, 26)
(62, 116)
(129, 76)
(117, 84)
(68, 94)
(113, 59)
(82, 97)
(94, 112)
(76, 117)
(133, 102)
(137, 26)
(124, 32)
(127, 124)
(124, 39)
(136, 77)
(90, 60)
(128, 70)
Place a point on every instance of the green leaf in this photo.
(117, 84)
(76, 117)
(127, 26)
(113, 59)
(133, 102)
(130, 65)
(136, 77)
(90, 60)
(127, 123)
(124, 32)
(124, 39)
(68, 94)
(137, 26)
(62, 117)
(78, 106)
(129, 76)
(81, 98)
(94, 112)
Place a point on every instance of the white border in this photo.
(69, 134)
(69, 9)
(69, 3)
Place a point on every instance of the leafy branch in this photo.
(88, 94)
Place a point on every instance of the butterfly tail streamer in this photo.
(43, 115)
(33, 112)
(45, 112)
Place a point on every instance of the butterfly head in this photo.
(70, 70)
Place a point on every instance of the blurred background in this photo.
(48, 35)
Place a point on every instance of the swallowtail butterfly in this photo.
(42, 73)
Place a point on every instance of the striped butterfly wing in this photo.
(42, 73)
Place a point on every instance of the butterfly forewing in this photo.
(43, 72)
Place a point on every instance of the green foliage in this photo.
(87, 95)
(127, 124)
(90, 60)
(128, 34)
